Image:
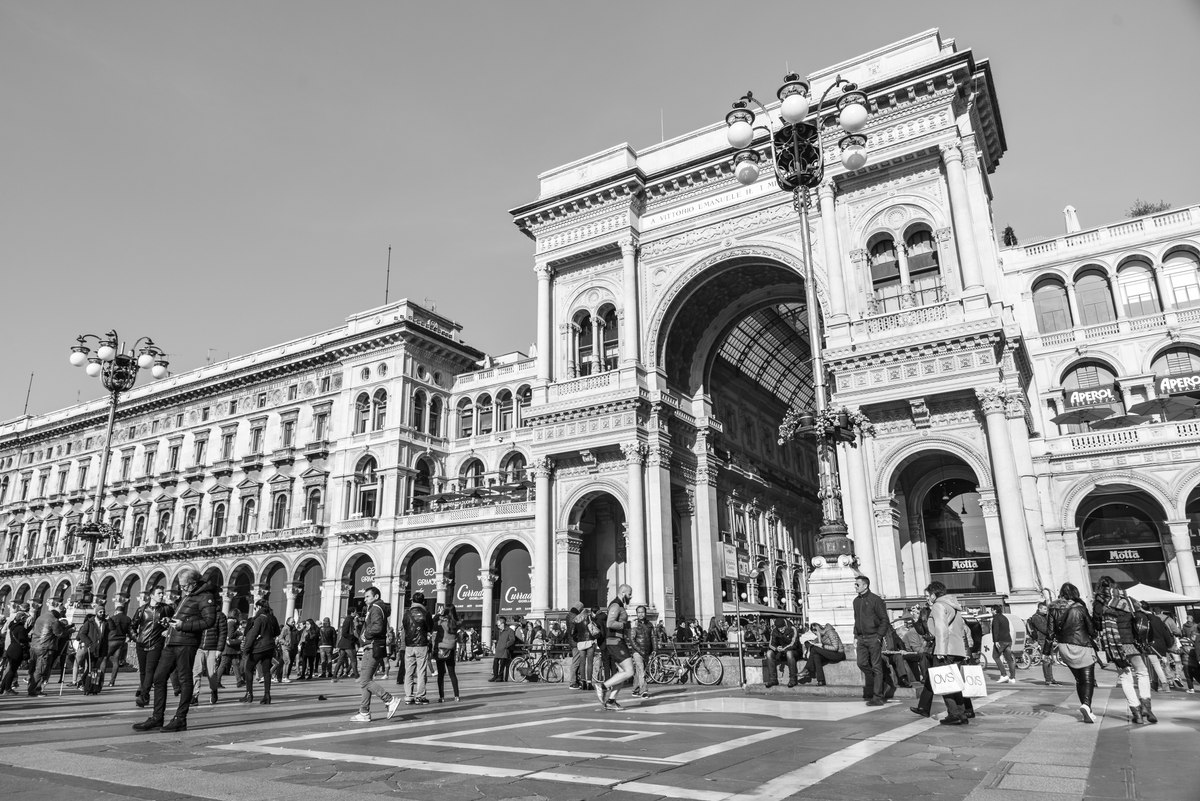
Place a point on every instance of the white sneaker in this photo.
(286, 681)
(361, 717)
(393, 705)
(1086, 711)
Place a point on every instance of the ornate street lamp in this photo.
(117, 368)
(799, 165)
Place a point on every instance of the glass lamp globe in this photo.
(854, 151)
(93, 368)
(78, 358)
(106, 352)
(146, 361)
(159, 370)
(794, 107)
(853, 117)
(739, 134)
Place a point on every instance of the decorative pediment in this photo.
(249, 487)
(117, 507)
(312, 477)
(165, 500)
(220, 492)
(191, 496)
(280, 481)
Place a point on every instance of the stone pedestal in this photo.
(831, 596)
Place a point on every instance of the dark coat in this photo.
(93, 636)
(149, 623)
(505, 643)
(119, 627)
(196, 612)
(213, 639)
(18, 636)
(1071, 624)
(418, 625)
(347, 638)
(233, 637)
(50, 632)
(328, 635)
(260, 636)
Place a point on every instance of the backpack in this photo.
(416, 626)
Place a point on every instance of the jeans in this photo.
(416, 670)
(581, 667)
(771, 672)
(176, 660)
(1160, 672)
(232, 663)
(41, 669)
(147, 666)
(639, 672)
(326, 652)
(445, 666)
(1048, 669)
(956, 705)
(1002, 653)
(870, 662)
(206, 660)
(818, 658)
(1135, 668)
(366, 680)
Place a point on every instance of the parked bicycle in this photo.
(672, 668)
(1032, 656)
(545, 665)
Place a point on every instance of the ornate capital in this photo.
(542, 466)
(992, 399)
(635, 452)
(660, 455)
(685, 503)
(826, 190)
(858, 256)
(942, 234)
(544, 272)
(628, 246)
(1014, 407)
(569, 542)
(989, 506)
(488, 579)
(951, 152)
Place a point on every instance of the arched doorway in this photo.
(1121, 533)
(274, 579)
(241, 583)
(513, 592)
(358, 575)
(309, 578)
(63, 592)
(41, 593)
(466, 590)
(106, 594)
(422, 576)
(599, 522)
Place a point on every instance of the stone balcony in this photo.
(1118, 440)
(526, 368)
(318, 449)
(357, 529)
(1082, 243)
(482, 512)
(1160, 322)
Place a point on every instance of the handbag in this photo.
(946, 679)
(974, 683)
(593, 629)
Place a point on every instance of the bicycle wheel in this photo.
(708, 670)
(520, 669)
(551, 671)
(662, 668)
(1024, 660)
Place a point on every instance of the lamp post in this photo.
(117, 368)
(799, 165)
(737, 607)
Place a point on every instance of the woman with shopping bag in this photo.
(949, 651)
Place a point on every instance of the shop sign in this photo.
(1093, 396)
(731, 560)
(423, 576)
(1178, 384)
(364, 576)
(513, 587)
(468, 591)
(1123, 555)
(965, 564)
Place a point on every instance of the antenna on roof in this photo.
(28, 390)
(387, 286)
(662, 128)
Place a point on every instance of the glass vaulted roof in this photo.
(771, 348)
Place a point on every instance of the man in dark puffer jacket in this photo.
(212, 645)
(196, 611)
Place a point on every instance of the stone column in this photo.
(905, 277)
(444, 582)
(684, 504)
(630, 333)
(291, 591)
(862, 529)
(487, 580)
(1073, 305)
(543, 542)
(572, 350)
(635, 458)
(992, 401)
(1014, 411)
(704, 539)
(1186, 559)
(990, 510)
(832, 251)
(968, 257)
(568, 544)
(545, 324)
(227, 601)
(661, 573)
(597, 344)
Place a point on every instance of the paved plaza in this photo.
(537, 741)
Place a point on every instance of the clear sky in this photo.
(224, 176)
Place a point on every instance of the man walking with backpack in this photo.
(418, 625)
(374, 637)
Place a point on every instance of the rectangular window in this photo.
(132, 432)
(1185, 291)
(126, 466)
(227, 446)
(153, 426)
(24, 489)
(1179, 362)
(293, 391)
(83, 471)
(233, 406)
(62, 481)
(87, 444)
(320, 426)
(289, 433)
(262, 400)
(326, 383)
(179, 420)
(69, 444)
(200, 452)
(256, 440)
(148, 464)
(205, 413)
(173, 458)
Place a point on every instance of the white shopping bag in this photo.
(946, 679)
(974, 684)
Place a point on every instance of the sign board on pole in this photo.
(731, 561)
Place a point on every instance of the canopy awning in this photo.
(757, 609)
(1154, 595)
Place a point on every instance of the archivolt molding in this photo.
(1174, 339)
(890, 463)
(1076, 494)
(592, 487)
(895, 214)
(488, 555)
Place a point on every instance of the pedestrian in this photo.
(1039, 628)
(782, 642)
(1071, 627)
(45, 641)
(347, 648)
(197, 611)
(1113, 616)
(617, 647)
(258, 650)
(915, 648)
(827, 649)
(288, 642)
(641, 643)
(1002, 646)
(14, 635)
(328, 642)
(445, 653)
(1159, 645)
(374, 639)
(212, 646)
(581, 657)
(870, 626)
(717, 629)
(149, 624)
(231, 657)
(949, 630)
(417, 626)
(502, 654)
(602, 666)
(93, 639)
(118, 641)
(310, 649)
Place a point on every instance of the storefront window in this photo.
(956, 538)
(1122, 541)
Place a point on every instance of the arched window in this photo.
(3, 490)
(954, 530)
(248, 518)
(14, 542)
(31, 543)
(504, 410)
(422, 486)
(1091, 376)
(279, 510)
(513, 469)
(486, 413)
(612, 340)
(1133, 528)
(585, 352)
(923, 268)
(190, 520)
(1051, 306)
(362, 413)
(218, 519)
(312, 506)
(435, 417)
(378, 409)
(1181, 363)
(1181, 273)
(885, 273)
(51, 541)
(139, 530)
(471, 475)
(162, 531)
(524, 398)
(466, 418)
(418, 410)
(366, 482)
(1139, 295)
(1094, 297)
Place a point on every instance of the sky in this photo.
(224, 176)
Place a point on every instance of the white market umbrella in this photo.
(1156, 597)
